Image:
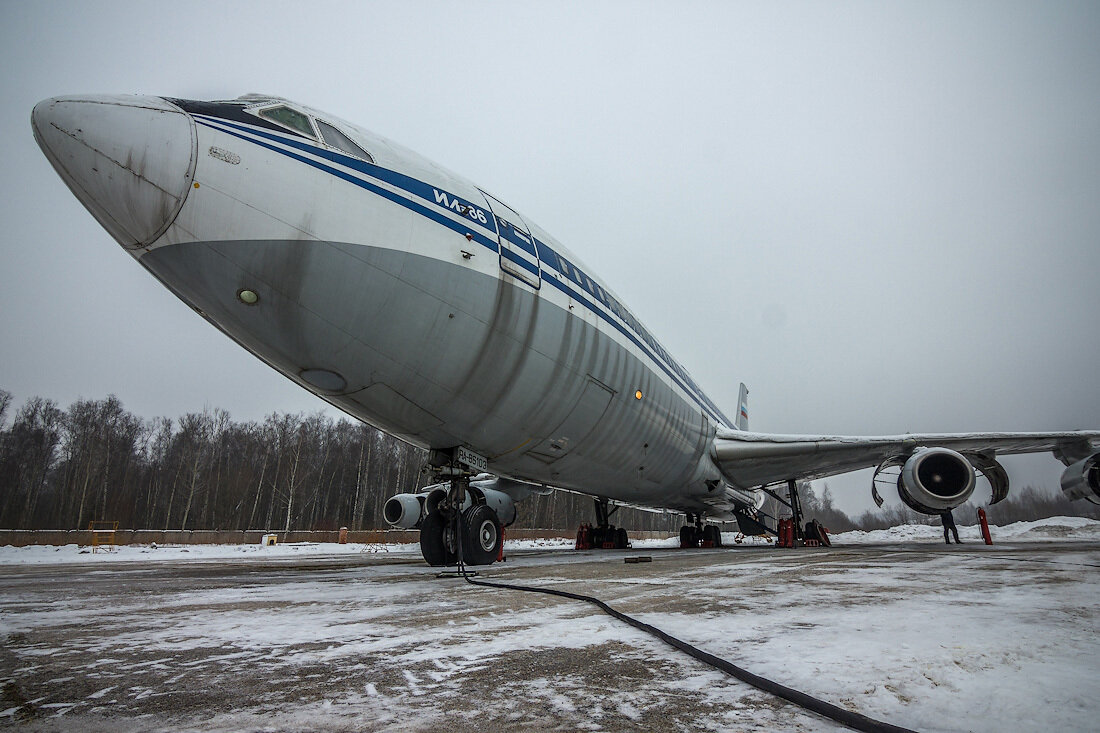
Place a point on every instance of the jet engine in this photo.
(933, 480)
(404, 511)
(501, 503)
(1082, 480)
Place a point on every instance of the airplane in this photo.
(418, 302)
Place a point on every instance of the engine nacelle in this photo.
(501, 503)
(404, 511)
(1082, 480)
(407, 511)
(934, 480)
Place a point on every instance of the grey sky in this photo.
(883, 217)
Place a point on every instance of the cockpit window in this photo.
(339, 140)
(288, 117)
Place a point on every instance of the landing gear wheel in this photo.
(713, 535)
(481, 536)
(622, 540)
(687, 536)
(432, 547)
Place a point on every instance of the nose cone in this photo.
(130, 160)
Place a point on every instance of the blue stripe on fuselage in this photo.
(545, 253)
(392, 177)
(524, 263)
(436, 216)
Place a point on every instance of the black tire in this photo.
(687, 536)
(712, 535)
(433, 549)
(481, 536)
(622, 540)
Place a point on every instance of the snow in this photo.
(1054, 528)
(44, 554)
(364, 637)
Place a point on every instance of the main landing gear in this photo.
(789, 531)
(696, 533)
(604, 536)
(460, 529)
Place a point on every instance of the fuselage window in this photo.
(288, 117)
(340, 141)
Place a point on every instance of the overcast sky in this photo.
(883, 217)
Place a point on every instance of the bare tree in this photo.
(5, 403)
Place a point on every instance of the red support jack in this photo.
(985, 526)
(786, 533)
(584, 537)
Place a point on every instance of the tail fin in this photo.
(743, 408)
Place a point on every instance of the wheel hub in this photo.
(487, 535)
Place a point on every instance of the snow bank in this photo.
(1053, 528)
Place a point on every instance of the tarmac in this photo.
(924, 636)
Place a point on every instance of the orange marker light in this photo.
(638, 395)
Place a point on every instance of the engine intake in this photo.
(404, 511)
(1082, 480)
(934, 480)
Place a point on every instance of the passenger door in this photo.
(519, 257)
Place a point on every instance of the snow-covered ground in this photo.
(333, 638)
(1055, 528)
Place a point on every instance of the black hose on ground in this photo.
(854, 721)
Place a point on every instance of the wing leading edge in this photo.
(748, 460)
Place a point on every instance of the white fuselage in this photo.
(404, 295)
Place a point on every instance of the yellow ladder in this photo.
(103, 534)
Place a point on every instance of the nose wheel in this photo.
(481, 535)
(437, 540)
(455, 530)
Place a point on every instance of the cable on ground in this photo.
(852, 720)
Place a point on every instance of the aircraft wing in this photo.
(749, 460)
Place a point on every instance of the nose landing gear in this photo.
(461, 527)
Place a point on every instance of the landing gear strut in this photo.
(796, 509)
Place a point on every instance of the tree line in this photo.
(95, 461)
